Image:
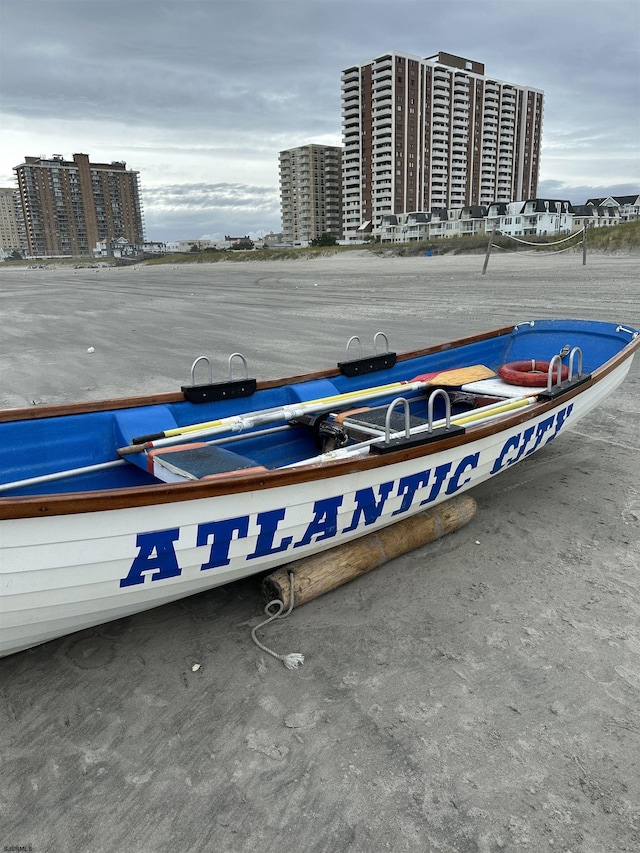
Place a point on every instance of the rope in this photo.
(540, 245)
(546, 254)
(291, 661)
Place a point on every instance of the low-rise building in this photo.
(195, 245)
(628, 206)
(119, 247)
(434, 224)
(535, 217)
(272, 239)
(152, 247)
(594, 216)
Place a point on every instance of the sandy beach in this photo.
(479, 694)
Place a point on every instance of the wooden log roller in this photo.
(330, 569)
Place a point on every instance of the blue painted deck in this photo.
(33, 447)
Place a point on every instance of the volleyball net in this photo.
(546, 247)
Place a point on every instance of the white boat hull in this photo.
(65, 573)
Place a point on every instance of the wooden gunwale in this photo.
(106, 499)
(87, 406)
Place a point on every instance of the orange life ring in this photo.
(532, 373)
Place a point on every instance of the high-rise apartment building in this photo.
(310, 192)
(421, 134)
(69, 206)
(12, 236)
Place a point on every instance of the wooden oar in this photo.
(61, 475)
(456, 377)
(239, 423)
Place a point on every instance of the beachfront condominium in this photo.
(421, 134)
(310, 193)
(12, 236)
(70, 205)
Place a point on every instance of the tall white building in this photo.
(310, 193)
(421, 134)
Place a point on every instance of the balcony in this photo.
(350, 75)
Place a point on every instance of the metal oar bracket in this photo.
(213, 391)
(369, 364)
(576, 376)
(412, 438)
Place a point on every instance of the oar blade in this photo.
(457, 376)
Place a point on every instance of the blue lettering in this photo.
(510, 444)
(543, 427)
(408, 486)
(521, 440)
(470, 461)
(440, 475)
(156, 553)
(268, 523)
(368, 506)
(526, 437)
(324, 524)
(561, 417)
(222, 533)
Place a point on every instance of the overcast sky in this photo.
(199, 96)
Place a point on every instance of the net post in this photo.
(488, 252)
(584, 244)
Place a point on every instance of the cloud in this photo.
(199, 211)
(203, 96)
(580, 194)
(235, 196)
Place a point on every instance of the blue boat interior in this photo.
(37, 449)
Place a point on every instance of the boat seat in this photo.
(140, 421)
(198, 461)
(367, 422)
(499, 388)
